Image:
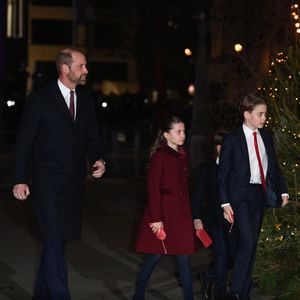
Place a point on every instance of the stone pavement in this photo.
(103, 264)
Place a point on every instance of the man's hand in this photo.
(228, 213)
(99, 168)
(198, 225)
(21, 191)
(285, 201)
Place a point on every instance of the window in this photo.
(53, 32)
(14, 19)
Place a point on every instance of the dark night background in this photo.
(137, 62)
(139, 70)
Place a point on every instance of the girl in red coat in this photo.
(168, 209)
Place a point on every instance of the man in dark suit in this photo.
(59, 126)
(247, 162)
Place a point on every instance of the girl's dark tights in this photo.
(150, 262)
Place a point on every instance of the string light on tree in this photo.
(295, 19)
(280, 233)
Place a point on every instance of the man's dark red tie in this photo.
(72, 107)
(261, 170)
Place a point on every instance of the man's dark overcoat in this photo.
(61, 147)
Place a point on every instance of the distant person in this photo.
(247, 163)
(206, 209)
(59, 126)
(168, 209)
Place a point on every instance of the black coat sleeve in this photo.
(26, 137)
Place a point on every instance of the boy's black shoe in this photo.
(205, 287)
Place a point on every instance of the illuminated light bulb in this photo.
(191, 89)
(296, 17)
(296, 5)
(188, 52)
(238, 48)
(297, 25)
(298, 30)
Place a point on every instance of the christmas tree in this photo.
(278, 255)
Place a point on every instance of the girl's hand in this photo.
(156, 226)
(198, 225)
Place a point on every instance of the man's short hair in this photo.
(250, 102)
(64, 57)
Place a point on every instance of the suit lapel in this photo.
(60, 102)
(244, 146)
(266, 141)
(79, 102)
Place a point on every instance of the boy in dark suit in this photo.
(59, 126)
(207, 192)
(247, 162)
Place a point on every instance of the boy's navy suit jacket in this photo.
(234, 167)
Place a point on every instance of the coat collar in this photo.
(61, 103)
(168, 149)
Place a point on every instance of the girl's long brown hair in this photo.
(166, 125)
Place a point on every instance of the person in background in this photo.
(206, 210)
(247, 162)
(168, 209)
(59, 126)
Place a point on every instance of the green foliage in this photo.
(282, 93)
(278, 255)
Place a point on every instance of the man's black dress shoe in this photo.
(205, 287)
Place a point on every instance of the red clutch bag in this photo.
(161, 235)
(204, 237)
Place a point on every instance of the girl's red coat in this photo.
(168, 201)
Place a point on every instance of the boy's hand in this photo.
(228, 213)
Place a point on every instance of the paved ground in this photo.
(103, 264)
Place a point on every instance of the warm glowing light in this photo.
(298, 30)
(297, 25)
(191, 89)
(296, 5)
(188, 52)
(238, 48)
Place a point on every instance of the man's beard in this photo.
(82, 80)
